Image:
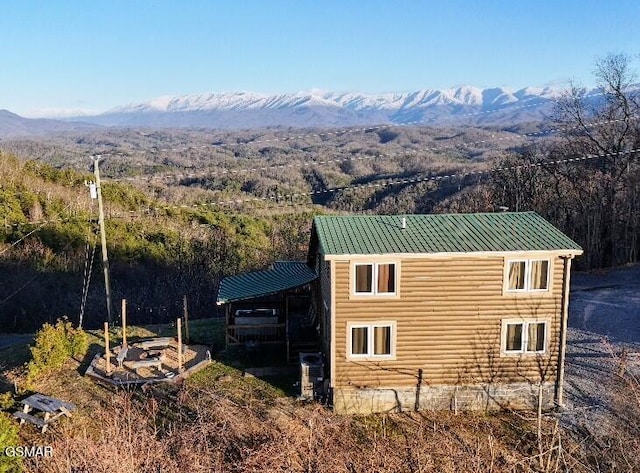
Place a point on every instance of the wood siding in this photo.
(449, 317)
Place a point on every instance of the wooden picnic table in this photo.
(50, 407)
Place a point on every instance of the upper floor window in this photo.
(375, 278)
(528, 275)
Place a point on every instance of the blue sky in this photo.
(95, 55)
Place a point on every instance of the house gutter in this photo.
(563, 330)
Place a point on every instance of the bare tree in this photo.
(595, 199)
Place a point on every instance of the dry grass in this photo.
(220, 421)
(213, 433)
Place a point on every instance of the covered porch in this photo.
(271, 307)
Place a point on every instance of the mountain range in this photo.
(331, 109)
(466, 105)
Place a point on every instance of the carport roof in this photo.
(281, 276)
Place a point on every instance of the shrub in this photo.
(8, 438)
(6, 401)
(54, 345)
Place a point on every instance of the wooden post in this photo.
(107, 351)
(124, 323)
(179, 323)
(227, 314)
(186, 319)
(286, 326)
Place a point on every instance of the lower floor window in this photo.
(524, 336)
(371, 340)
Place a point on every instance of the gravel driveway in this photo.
(604, 317)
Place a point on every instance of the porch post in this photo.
(286, 323)
(227, 311)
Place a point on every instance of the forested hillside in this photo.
(157, 256)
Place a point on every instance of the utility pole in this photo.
(103, 239)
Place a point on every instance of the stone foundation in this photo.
(520, 396)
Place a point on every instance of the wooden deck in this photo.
(149, 361)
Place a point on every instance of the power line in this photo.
(37, 275)
(86, 280)
(42, 223)
(414, 180)
(24, 237)
(392, 182)
(21, 288)
(388, 183)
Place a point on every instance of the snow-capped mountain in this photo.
(320, 108)
(460, 106)
(468, 96)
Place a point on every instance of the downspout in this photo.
(332, 361)
(563, 330)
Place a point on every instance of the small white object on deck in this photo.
(122, 355)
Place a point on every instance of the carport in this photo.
(272, 306)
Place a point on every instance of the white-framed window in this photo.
(527, 275)
(371, 340)
(524, 336)
(375, 279)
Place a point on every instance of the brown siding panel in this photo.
(448, 316)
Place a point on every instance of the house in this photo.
(453, 311)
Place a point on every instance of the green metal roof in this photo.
(281, 276)
(439, 233)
